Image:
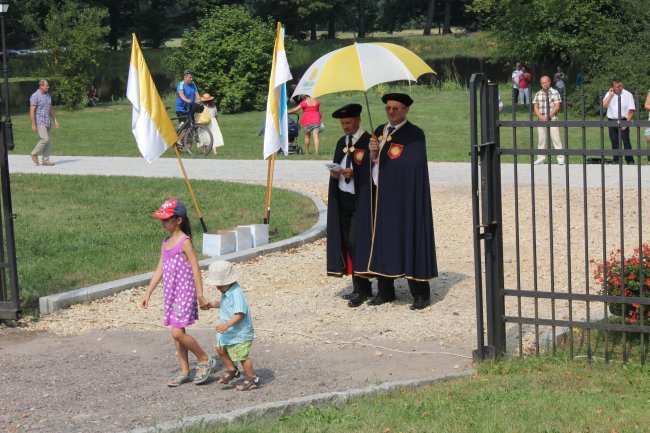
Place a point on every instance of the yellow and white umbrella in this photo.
(360, 67)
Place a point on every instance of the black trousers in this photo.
(625, 137)
(515, 96)
(360, 285)
(418, 289)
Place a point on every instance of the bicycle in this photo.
(192, 135)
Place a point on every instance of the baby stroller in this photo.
(294, 130)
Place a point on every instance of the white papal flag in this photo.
(151, 125)
(276, 134)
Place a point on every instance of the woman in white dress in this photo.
(209, 102)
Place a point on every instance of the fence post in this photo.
(491, 215)
(486, 186)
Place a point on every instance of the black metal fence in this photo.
(560, 252)
(9, 293)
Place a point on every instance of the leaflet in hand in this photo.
(332, 166)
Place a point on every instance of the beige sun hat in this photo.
(221, 273)
(207, 97)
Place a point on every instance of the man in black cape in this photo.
(341, 205)
(394, 236)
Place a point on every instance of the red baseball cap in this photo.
(170, 208)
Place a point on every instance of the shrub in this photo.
(631, 279)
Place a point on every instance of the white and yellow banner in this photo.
(276, 129)
(151, 125)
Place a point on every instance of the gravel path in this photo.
(102, 366)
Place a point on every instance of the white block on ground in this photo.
(244, 238)
(259, 233)
(219, 242)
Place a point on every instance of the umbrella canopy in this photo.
(360, 67)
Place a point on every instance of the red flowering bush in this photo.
(634, 276)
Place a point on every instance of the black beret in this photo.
(399, 97)
(350, 110)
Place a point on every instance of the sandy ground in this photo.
(103, 365)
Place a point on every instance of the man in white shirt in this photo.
(620, 106)
(515, 84)
(342, 203)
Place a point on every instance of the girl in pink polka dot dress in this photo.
(183, 290)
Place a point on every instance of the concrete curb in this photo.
(283, 407)
(52, 303)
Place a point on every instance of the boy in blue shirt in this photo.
(235, 330)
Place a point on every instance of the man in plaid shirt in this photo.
(41, 111)
(547, 103)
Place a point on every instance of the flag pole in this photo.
(269, 189)
(189, 186)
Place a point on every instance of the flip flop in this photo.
(203, 370)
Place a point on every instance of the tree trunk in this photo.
(361, 10)
(447, 25)
(331, 26)
(431, 10)
(312, 32)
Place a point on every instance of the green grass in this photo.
(442, 112)
(74, 231)
(514, 395)
(106, 130)
(616, 346)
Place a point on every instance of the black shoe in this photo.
(357, 301)
(349, 296)
(378, 300)
(419, 304)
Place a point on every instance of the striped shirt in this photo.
(553, 98)
(43, 104)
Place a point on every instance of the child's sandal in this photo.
(178, 380)
(203, 370)
(229, 375)
(248, 384)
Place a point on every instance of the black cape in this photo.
(397, 240)
(338, 260)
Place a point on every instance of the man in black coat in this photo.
(341, 206)
(394, 236)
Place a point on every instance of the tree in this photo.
(230, 53)
(296, 15)
(72, 39)
(21, 20)
(361, 20)
(600, 39)
(431, 11)
(446, 29)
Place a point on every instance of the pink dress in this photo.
(310, 115)
(181, 305)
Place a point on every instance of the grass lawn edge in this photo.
(275, 409)
(50, 304)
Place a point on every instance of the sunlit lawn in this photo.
(516, 395)
(74, 231)
(443, 114)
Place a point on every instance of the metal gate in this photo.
(559, 254)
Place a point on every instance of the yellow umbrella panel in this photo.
(360, 67)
